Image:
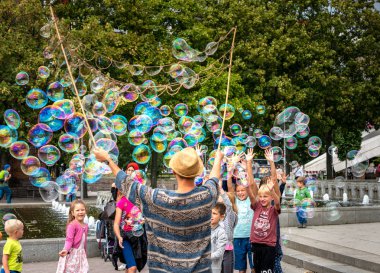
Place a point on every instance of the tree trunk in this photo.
(329, 158)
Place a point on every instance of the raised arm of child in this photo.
(251, 181)
(273, 172)
(276, 198)
(251, 195)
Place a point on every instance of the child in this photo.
(242, 247)
(12, 252)
(73, 255)
(301, 193)
(122, 227)
(218, 237)
(229, 222)
(4, 187)
(264, 226)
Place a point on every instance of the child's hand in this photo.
(270, 185)
(269, 155)
(250, 155)
(198, 150)
(63, 253)
(120, 239)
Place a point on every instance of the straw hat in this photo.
(186, 163)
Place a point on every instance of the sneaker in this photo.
(300, 226)
(304, 225)
(121, 267)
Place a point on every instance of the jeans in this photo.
(12, 271)
(301, 215)
(70, 197)
(8, 193)
(242, 251)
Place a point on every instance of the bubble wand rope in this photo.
(228, 86)
(70, 73)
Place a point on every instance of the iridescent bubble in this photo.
(139, 176)
(30, 165)
(98, 84)
(181, 50)
(185, 124)
(19, 149)
(251, 142)
(239, 144)
(22, 78)
(49, 192)
(167, 157)
(181, 110)
(111, 99)
(304, 133)
(246, 114)
(135, 137)
(55, 91)
(40, 135)
(143, 123)
(53, 116)
(229, 109)
(314, 142)
(93, 167)
(130, 92)
(214, 125)
(77, 164)
(7, 136)
(307, 208)
(105, 124)
(148, 90)
(178, 142)
(301, 119)
(153, 70)
(45, 30)
(49, 154)
(264, 142)
(76, 125)
(27, 124)
(198, 119)
(156, 102)
(286, 121)
(165, 110)
(210, 113)
(136, 70)
(276, 133)
(141, 154)
(12, 119)
(291, 143)
(352, 154)
(68, 143)
(67, 106)
(43, 72)
(332, 211)
(236, 129)
(66, 182)
(332, 150)
(191, 139)
(40, 178)
(313, 152)
(120, 124)
(99, 109)
(260, 109)
(257, 133)
(90, 179)
(229, 151)
(81, 87)
(277, 153)
(206, 101)
(36, 98)
(211, 48)
(106, 144)
(158, 142)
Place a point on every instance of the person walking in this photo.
(4, 187)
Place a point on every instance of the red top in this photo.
(264, 225)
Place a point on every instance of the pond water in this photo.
(42, 222)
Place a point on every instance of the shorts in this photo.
(242, 250)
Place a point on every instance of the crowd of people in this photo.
(219, 226)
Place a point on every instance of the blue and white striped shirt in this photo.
(177, 225)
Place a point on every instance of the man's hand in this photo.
(101, 155)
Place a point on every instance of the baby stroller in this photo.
(104, 231)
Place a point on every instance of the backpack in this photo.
(2, 174)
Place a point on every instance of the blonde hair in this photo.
(232, 197)
(264, 190)
(12, 225)
(71, 217)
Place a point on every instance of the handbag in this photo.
(109, 210)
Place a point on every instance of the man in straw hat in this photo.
(177, 222)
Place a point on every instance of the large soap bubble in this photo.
(141, 154)
(36, 98)
(19, 149)
(40, 178)
(12, 119)
(30, 165)
(40, 135)
(49, 154)
(7, 136)
(22, 78)
(49, 192)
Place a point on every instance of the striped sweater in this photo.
(177, 225)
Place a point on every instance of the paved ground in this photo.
(97, 265)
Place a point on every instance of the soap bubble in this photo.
(111, 99)
(99, 109)
(251, 142)
(191, 139)
(332, 211)
(229, 109)
(165, 110)
(40, 135)
(257, 133)
(8, 216)
(106, 144)
(286, 121)
(7, 136)
(19, 149)
(181, 109)
(153, 70)
(77, 164)
(67, 106)
(130, 92)
(139, 176)
(352, 154)
(236, 129)
(49, 154)
(53, 116)
(43, 72)
(260, 109)
(135, 137)
(68, 143)
(76, 125)
(185, 124)
(49, 192)
(55, 91)
(12, 119)
(158, 142)
(90, 179)
(291, 143)
(66, 182)
(141, 154)
(45, 30)
(148, 90)
(30, 165)
(81, 86)
(304, 133)
(120, 124)
(312, 151)
(41, 178)
(264, 141)
(142, 123)
(98, 84)
(211, 48)
(246, 114)
(22, 78)
(36, 98)
(314, 142)
(332, 150)
(277, 153)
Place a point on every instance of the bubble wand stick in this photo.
(228, 86)
(70, 73)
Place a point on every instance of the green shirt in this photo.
(302, 194)
(13, 249)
